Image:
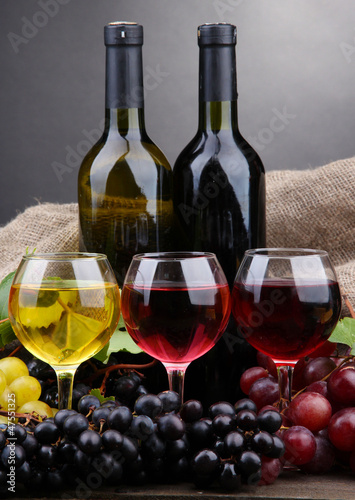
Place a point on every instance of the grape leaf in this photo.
(7, 334)
(120, 341)
(344, 333)
(100, 397)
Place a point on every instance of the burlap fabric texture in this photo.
(312, 208)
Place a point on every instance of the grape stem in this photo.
(27, 416)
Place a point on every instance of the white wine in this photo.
(64, 322)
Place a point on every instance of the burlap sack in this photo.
(307, 208)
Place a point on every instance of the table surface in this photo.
(289, 486)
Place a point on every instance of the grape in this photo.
(278, 449)
(175, 449)
(115, 476)
(40, 370)
(125, 387)
(264, 391)
(245, 404)
(317, 369)
(300, 445)
(88, 403)
(112, 439)
(310, 410)
(51, 397)
(341, 385)
(3, 382)
(250, 376)
(221, 408)
(66, 451)
(323, 459)
(229, 478)
(100, 416)
(153, 447)
(191, 411)
(16, 431)
(74, 425)
(205, 463)
(54, 480)
(13, 455)
(82, 460)
(141, 427)
(46, 432)
(269, 420)
(23, 473)
(262, 443)
(266, 362)
(234, 443)
(320, 386)
(171, 401)
(341, 429)
(171, 427)
(270, 470)
(120, 419)
(247, 420)
(129, 449)
(249, 464)
(13, 368)
(6, 398)
(61, 416)
(200, 433)
(149, 405)
(38, 407)
(223, 424)
(89, 442)
(179, 470)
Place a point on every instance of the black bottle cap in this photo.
(217, 34)
(123, 33)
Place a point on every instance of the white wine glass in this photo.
(63, 308)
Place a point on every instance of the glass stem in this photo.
(176, 378)
(285, 375)
(65, 387)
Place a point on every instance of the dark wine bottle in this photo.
(125, 181)
(219, 202)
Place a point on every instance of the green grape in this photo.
(3, 381)
(38, 407)
(6, 399)
(13, 368)
(25, 388)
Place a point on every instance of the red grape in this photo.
(341, 385)
(320, 386)
(341, 429)
(317, 369)
(266, 362)
(264, 391)
(310, 410)
(300, 445)
(323, 459)
(250, 376)
(270, 470)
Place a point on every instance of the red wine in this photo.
(175, 325)
(284, 320)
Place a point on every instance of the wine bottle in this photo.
(125, 181)
(219, 201)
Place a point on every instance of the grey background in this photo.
(294, 57)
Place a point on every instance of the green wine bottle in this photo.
(219, 202)
(125, 181)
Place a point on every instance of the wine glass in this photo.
(63, 308)
(286, 303)
(176, 306)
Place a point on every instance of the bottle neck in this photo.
(124, 77)
(218, 88)
(124, 89)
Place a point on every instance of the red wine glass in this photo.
(176, 306)
(286, 303)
